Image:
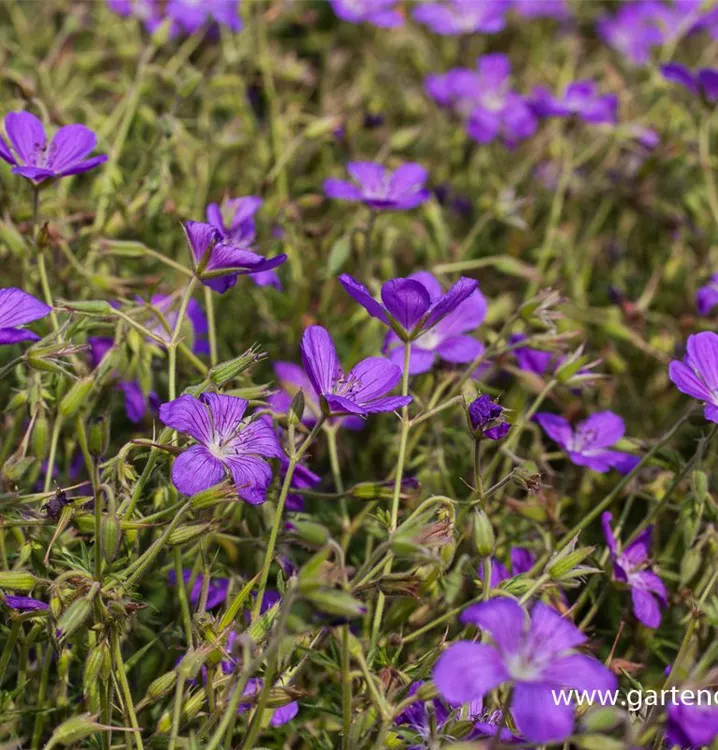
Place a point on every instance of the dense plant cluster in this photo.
(359, 374)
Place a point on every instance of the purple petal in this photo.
(200, 237)
(580, 672)
(195, 470)
(408, 181)
(645, 607)
(466, 671)
(647, 580)
(258, 438)
(706, 298)
(70, 145)
(320, 359)
(703, 352)
(189, 415)
(557, 428)
(83, 166)
(361, 294)
(213, 215)
(608, 534)
(135, 401)
(5, 153)
(370, 176)
(18, 307)
(430, 283)
(372, 378)
(226, 411)
(687, 381)
(484, 125)
(284, 714)
(459, 349)
(550, 634)
(600, 430)
(468, 316)
(680, 74)
(26, 134)
(708, 83)
(343, 405)
(538, 716)
(639, 550)
(406, 300)
(252, 477)
(503, 618)
(16, 335)
(522, 560)
(341, 190)
(459, 292)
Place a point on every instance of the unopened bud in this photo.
(75, 729)
(76, 397)
(95, 665)
(15, 467)
(309, 532)
(160, 687)
(74, 617)
(188, 533)
(484, 539)
(566, 565)
(110, 536)
(91, 307)
(210, 497)
(335, 602)
(296, 410)
(19, 580)
(40, 436)
(98, 435)
(226, 371)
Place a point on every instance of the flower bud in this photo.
(210, 497)
(566, 564)
(95, 665)
(18, 401)
(76, 397)
(18, 580)
(75, 729)
(484, 539)
(98, 435)
(74, 617)
(160, 687)
(15, 467)
(91, 307)
(225, 371)
(40, 436)
(188, 533)
(335, 602)
(110, 536)
(296, 410)
(309, 532)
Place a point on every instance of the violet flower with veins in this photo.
(453, 17)
(16, 309)
(697, 374)
(33, 158)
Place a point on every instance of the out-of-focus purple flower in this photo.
(536, 655)
(280, 715)
(690, 725)
(168, 307)
(16, 309)
(528, 359)
(486, 420)
(631, 566)
(697, 374)
(522, 561)
(633, 31)
(362, 391)
(379, 188)
(580, 99)
(588, 445)
(191, 16)
(414, 308)
(23, 603)
(463, 309)
(381, 13)
(136, 401)
(542, 9)
(707, 296)
(218, 261)
(646, 137)
(484, 98)
(224, 444)
(452, 17)
(33, 158)
(703, 82)
(240, 228)
(216, 591)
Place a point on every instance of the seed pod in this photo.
(63, 663)
(296, 410)
(226, 371)
(93, 666)
(98, 435)
(335, 602)
(76, 397)
(212, 496)
(191, 707)
(110, 536)
(19, 580)
(309, 532)
(484, 539)
(40, 436)
(91, 307)
(74, 617)
(188, 533)
(75, 729)
(160, 687)
(16, 467)
(18, 401)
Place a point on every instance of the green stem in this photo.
(211, 326)
(126, 693)
(172, 346)
(41, 267)
(182, 595)
(53, 451)
(9, 646)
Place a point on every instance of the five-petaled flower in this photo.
(580, 99)
(380, 188)
(453, 17)
(415, 309)
(631, 566)
(381, 13)
(537, 655)
(16, 309)
(218, 262)
(361, 391)
(697, 374)
(32, 157)
(189, 16)
(225, 443)
(588, 444)
(707, 296)
(703, 82)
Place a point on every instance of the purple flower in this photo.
(522, 561)
(241, 229)
(690, 725)
(703, 83)
(216, 591)
(224, 444)
(379, 188)
(485, 417)
(379, 13)
(633, 31)
(541, 9)
(484, 98)
(218, 261)
(528, 359)
(16, 309)
(463, 16)
(191, 16)
(697, 374)
(580, 99)
(23, 603)
(537, 655)
(415, 309)
(362, 391)
(631, 567)
(588, 445)
(280, 715)
(34, 159)
(707, 296)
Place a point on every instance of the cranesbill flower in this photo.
(379, 188)
(522, 561)
(280, 715)
(23, 603)
(16, 309)
(528, 359)
(415, 306)
(588, 444)
(691, 725)
(33, 158)
(631, 566)
(697, 374)
(580, 99)
(167, 306)
(241, 229)
(633, 31)
(381, 13)
(216, 590)
(218, 261)
(485, 418)
(537, 655)
(707, 296)
(453, 17)
(225, 443)
(362, 391)
(703, 82)
(190, 16)
(446, 339)
(541, 9)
